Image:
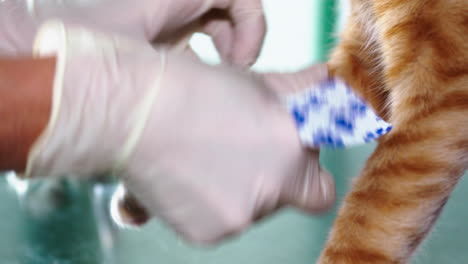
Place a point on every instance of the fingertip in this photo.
(200, 241)
(317, 193)
(249, 34)
(313, 74)
(292, 82)
(327, 193)
(221, 33)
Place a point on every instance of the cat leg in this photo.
(357, 60)
(400, 193)
(406, 182)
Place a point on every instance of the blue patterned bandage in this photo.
(331, 115)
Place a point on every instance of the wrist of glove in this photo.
(206, 149)
(102, 114)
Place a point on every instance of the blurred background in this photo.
(67, 222)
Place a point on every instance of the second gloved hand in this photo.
(237, 27)
(207, 149)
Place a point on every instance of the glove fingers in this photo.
(220, 29)
(287, 83)
(313, 191)
(249, 31)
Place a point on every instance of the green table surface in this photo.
(62, 222)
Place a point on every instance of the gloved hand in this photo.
(207, 149)
(238, 33)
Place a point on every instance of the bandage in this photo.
(333, 116)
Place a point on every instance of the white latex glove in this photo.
(238, 32)
(207, 149)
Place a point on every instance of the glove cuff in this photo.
(104, 89)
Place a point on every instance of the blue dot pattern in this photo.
(331, 115)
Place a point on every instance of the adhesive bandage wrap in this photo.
(332, 115)
(103, 95)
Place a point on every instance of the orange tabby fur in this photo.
(409, 59)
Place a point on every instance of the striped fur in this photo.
(409, 59)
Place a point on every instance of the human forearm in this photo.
(25, 101)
